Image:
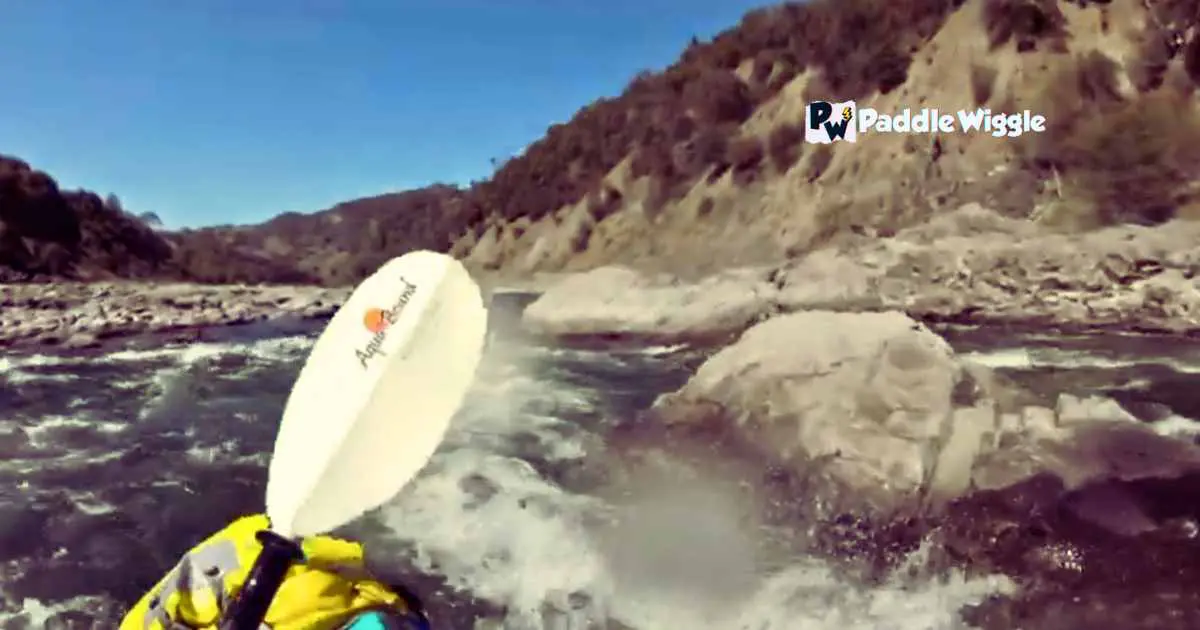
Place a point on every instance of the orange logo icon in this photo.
(375, 319)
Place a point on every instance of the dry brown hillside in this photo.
(1116, 81)
(703, 164)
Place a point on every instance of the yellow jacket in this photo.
(322, 594)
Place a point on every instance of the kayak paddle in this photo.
(369, 408)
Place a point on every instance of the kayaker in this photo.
(331, 590)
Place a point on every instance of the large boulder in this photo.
(884, 418)
(620, 303)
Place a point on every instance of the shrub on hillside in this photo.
(1191, 59)
(744, 156)
(1026, 22)
(1097, 78)
(819, 160)
(1133, 161)
(661, 192)
(1076, 90)
(717, 97)
(764, 65)
(650, 160)
(983, 81)
(604, 202)
(784, 145)
(1149, 63)
(682, 128)
(708, 147)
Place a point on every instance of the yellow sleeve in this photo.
(335, 555)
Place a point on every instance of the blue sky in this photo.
(233, 111)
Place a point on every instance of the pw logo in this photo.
(827, 122)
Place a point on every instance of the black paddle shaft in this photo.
(249, 607)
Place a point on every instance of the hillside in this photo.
(703, 165)
(720, 176)
(343, 244)
(47, 233)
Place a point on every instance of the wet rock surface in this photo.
(1107, 555)
(82, 315)
(870, 427)
(891, 420)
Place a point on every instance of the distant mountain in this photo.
(343, 244)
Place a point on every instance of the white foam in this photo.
(523, 545)
(526, 544)
(809, 596)
(658, 351)
(1007, 358)
(1177, 427)
(16, 370)
(1032, 358)
(172, 381)
(34, 613)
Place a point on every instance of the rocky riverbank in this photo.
(80, 315)
(970, 266)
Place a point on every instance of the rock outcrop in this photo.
(619, 303)
(969, 266)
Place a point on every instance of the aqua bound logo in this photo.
(378, 321)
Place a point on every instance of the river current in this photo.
(113, 463)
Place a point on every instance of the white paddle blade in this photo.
(377, 393)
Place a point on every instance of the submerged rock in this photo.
(1109, 554)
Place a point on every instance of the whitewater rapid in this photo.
(110, 465)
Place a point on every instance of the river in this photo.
(112, 463)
